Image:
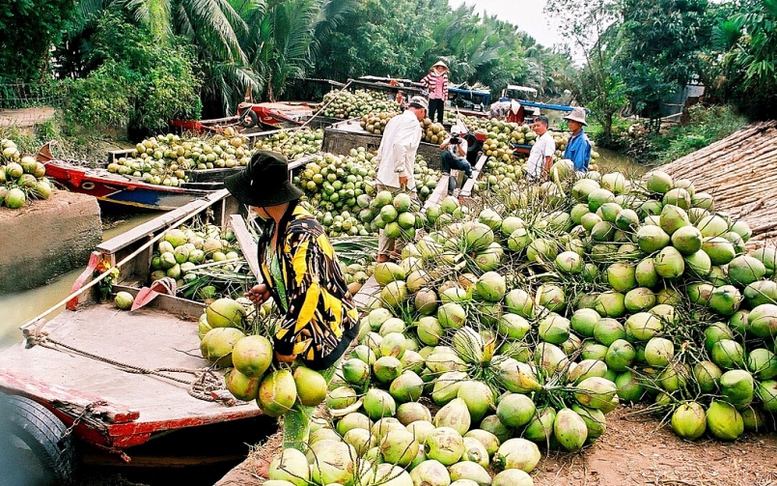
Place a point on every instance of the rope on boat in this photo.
(34, 326)
(206, 386)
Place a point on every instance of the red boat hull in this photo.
(128, 192)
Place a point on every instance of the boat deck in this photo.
(122, 408)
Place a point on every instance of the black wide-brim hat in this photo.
(264, 182)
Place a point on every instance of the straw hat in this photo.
(440, 63)
(578, 115)
(264, 182)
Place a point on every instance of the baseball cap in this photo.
(419, 101)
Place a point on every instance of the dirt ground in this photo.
(26, 117)
(635, 450)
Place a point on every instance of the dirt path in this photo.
(26, 117)
(634, 451)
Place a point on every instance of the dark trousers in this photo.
(448, 161)
(436, 106)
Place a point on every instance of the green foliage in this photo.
(27, 30)
(140, 83)
(702, 126)
(744, 56)
(659, 43)
(705, 126)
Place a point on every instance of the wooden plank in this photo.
(163, 221)
(370, 288)
(59, 397)
(439, 192)
(466, 191)
(247, 244)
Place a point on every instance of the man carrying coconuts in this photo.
(396, 160)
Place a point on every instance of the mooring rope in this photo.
(206, 386)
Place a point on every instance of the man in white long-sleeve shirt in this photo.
(396, 158)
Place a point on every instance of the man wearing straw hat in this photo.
(578, 146)
(436, 82)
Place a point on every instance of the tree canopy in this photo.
(638, 53)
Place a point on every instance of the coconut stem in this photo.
(296, 422)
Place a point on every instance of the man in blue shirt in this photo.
(578, 146)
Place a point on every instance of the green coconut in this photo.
(768, 256)
(725, 300)
(642, 326)
(737, 387)
(651, 238)
(659, 182)
(767, 393)
(599, 196)
(277, 393)
(620, 355)
(744, 270)
(687, 239)
(724, 421)
(677, 196)
(645, 273)
(673, 218)
(629, 387)
(712, 225)
(762, 321)
(760, 292)
(669, 263)
(610, 304)
(583, 321)
(518, 454)
(698, 264)
(707, 374)
(728, 354)
(515, 409)
(639, 299)
(689, 421)
(762, 363)
(608, 330)
(570, 430)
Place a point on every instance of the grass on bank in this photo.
(704, 125)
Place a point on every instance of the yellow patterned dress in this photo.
(305, 280)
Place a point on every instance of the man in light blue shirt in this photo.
(578, 146)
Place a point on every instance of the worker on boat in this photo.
(396, 163)
(299, 266)
(578, 146)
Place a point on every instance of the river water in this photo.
(17, 308)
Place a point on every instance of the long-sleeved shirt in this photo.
(437, 84)
(397, 151)
(579, 151)
(305, 280)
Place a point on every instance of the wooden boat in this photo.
(121, 191)
(118, 379)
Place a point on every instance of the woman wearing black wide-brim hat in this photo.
(299, 266)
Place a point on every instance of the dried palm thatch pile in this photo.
(740, 172)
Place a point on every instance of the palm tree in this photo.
(214, 29)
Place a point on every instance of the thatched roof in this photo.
(740, 172)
